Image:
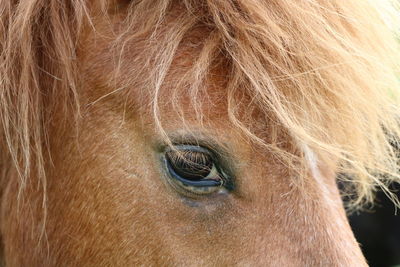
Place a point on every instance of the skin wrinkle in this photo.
(253, 79)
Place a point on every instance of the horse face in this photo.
(114, 198)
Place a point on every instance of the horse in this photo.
(193, 132)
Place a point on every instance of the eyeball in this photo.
(194, 169)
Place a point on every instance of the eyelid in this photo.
(193, 147)
(196, 138)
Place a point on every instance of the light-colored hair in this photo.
(324, 70)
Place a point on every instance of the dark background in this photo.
(378, 232)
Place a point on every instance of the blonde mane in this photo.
(324, 71)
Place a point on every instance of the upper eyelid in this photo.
(193, 147)
(198, 139)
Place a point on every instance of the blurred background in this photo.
(378, 231)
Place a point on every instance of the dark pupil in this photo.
(190, 165)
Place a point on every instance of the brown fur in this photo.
(294, 91)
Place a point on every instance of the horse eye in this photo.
(194, 169)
